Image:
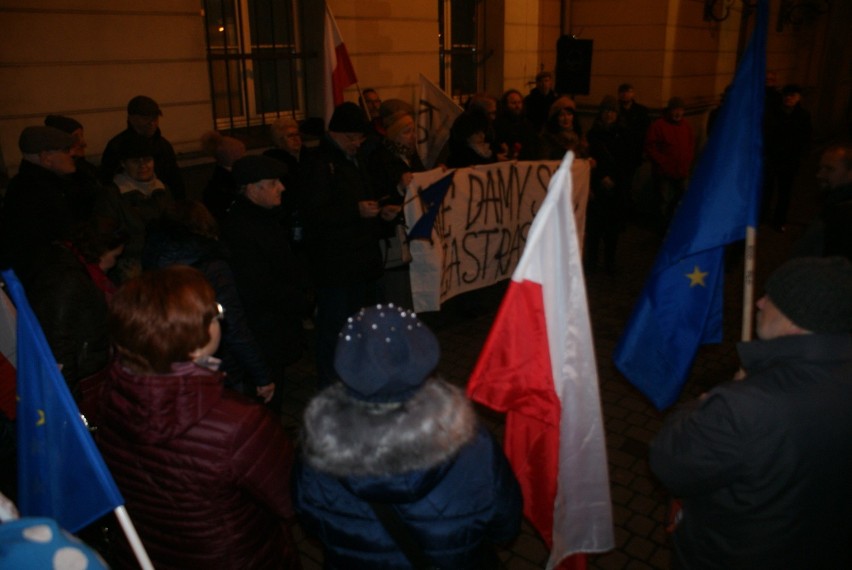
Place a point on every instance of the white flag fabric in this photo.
(435, 117)
(538, 366)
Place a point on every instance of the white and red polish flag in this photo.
(538, 366)
(338, 72)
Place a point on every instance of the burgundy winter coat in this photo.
(205, 472)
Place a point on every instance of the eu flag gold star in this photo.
(697, 277)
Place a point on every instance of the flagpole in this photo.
(363, 101)
(748, 283)
(133, 538)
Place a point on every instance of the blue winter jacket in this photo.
(460, 499)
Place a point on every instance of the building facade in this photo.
(235, 65)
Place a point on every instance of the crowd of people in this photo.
(174, 320)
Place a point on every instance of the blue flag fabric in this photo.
(680, 306)
(431, 198)
(61, 474)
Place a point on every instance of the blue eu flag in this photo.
(680, 306)
(431, 198)
(61, 474)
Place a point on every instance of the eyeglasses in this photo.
(220, 312)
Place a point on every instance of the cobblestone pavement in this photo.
(638, 500)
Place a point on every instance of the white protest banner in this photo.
(482, 226)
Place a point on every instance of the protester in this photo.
(763, 463)
(265, 270)
(205, 473)
(541, 97)
(143, 120)
(69, 291)
(189, 236)
(633, 117)
(512, 129)
(830, 233)
(561, 132)
(221, 189)
(37, 208)
(608, 199)
(392, 167)
(670, 146)
(136, 198)
(343, 223)
(787, 136)
(85, 178)
(393, 450)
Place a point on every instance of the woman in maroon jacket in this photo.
(204, 471)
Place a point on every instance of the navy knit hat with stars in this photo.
(384, 354)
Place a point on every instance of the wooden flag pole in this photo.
(748, 283)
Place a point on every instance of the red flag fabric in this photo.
(339, 73)
(538, 366)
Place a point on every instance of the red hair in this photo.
(160, 317)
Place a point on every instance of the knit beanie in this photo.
(814, 292)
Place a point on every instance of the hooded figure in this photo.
(393, 447)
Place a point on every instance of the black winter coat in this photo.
(267, 278)
(172, 244)
(72, 312)
(344, 247)
(764, 465)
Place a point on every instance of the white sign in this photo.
(482, 226)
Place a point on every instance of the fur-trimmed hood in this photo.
(348, 438)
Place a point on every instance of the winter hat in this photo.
(396, 114)
(64, 124)
(34, 140)
(348, 118)
(143, 106)
(814, 292)
(256, 167)
(384, 354)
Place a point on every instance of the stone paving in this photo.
(639, 501)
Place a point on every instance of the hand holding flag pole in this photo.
(676, 311)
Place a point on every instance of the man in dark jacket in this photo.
(830, 233)
(787, 135)
(143, 120)
(763, 463)
(537, 103)
(37, 210)
(343, 224)
(265, 269)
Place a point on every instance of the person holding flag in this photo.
(680, 306)
(762, 464)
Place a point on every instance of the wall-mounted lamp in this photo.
(798, 12)
(720, 10)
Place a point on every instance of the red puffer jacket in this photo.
(205, 472)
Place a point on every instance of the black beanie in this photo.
(348, 118)
(815, 293)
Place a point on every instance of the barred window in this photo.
(255, 61)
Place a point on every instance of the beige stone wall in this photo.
(87, 58)
(390, 44)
